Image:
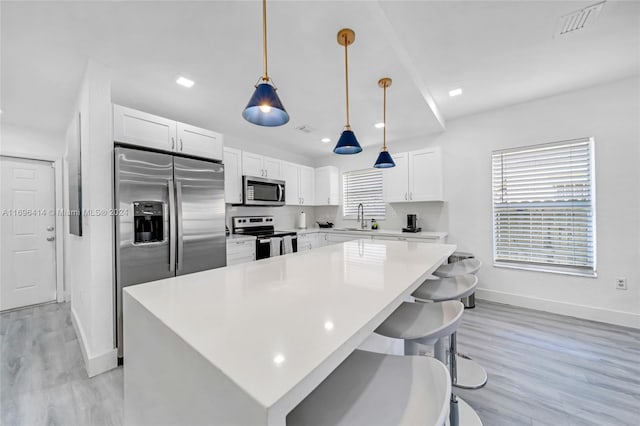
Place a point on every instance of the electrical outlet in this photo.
(621, 283)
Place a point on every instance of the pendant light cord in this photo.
(346, 77)
(384, 120)
(264, 39)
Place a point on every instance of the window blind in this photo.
(363, 186)
(543, 207)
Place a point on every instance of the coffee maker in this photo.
(412, 224)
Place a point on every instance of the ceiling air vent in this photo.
(305, 128)
(579, 19)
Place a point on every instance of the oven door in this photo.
(263, 192)
(263, 248)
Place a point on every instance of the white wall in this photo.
(611, 114)
(89, 258)
(24, 140)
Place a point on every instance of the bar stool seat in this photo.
(462, 267)
(443, 289)
(369, 388)
(421, 322)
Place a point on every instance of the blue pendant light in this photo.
(384, 160)
(264, 107)
(347, 144)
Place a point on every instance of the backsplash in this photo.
(284, 217)
(432, 216)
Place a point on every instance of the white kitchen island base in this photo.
(245, 344)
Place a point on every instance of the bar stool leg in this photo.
(454, 415)
(440, 350)
(411, 348)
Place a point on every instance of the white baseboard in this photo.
(93, 364)
(626, 319)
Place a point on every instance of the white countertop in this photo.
(369, 232)
(240, 237)
(279, 326)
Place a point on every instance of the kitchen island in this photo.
(245, 344)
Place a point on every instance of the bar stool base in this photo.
(467, 416)
(470, 374)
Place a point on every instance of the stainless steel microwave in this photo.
(262, 192)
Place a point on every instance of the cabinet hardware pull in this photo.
(180, 144)
(411, 195)
(50, 228)
(405, 196)
(173, 143)
(50, 238)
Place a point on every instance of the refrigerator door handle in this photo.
(180, 225)
(172, 226)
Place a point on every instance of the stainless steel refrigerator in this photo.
(175, 223)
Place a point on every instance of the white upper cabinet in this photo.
(417, 176)
(232, 175)
(306, 185)
(199, 142)
(298, 184)
(143, 129)
(147, 130)
(291, 187)
(326, 186)
(425, 175)
(396, 179)
(261, 166)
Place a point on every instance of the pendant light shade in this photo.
(384, 160)
(264, 107)
(347, 144)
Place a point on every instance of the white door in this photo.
(203, 143)
(396, 179)
(28, 268)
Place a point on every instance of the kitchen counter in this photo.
(371, 232)
(238, 237)
(246, 343)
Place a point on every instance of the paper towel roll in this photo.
(302, 221)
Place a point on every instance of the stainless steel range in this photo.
(269, 242)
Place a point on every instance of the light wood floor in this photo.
(544, 369)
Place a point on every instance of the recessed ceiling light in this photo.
(455, 92)
(325, 140)
(378, 125)
(182, 81)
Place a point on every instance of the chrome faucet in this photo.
(361, 218)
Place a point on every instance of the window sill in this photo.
(549, 269)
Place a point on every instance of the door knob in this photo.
(50, 228)
(51, 238)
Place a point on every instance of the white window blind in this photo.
(363, 186)
(543, 207)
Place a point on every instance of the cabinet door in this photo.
(203, 143)
(425, 175)
(252, 164)
(326, 186)
(291, 187)
(143, 129)
(306, 185)
(340, 238)
(232, 175)
(240, 252)
(395, 181)
(272, 168)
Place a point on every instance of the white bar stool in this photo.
(462, 267)
(470, 375)
(369, 388)
(431, 324)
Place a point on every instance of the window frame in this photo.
(585, 271)
(369, 215)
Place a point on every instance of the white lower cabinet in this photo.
(306, 241)
(240, 251)
(341, 238)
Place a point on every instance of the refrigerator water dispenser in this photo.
(148, 221)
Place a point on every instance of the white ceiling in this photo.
(500, 53)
